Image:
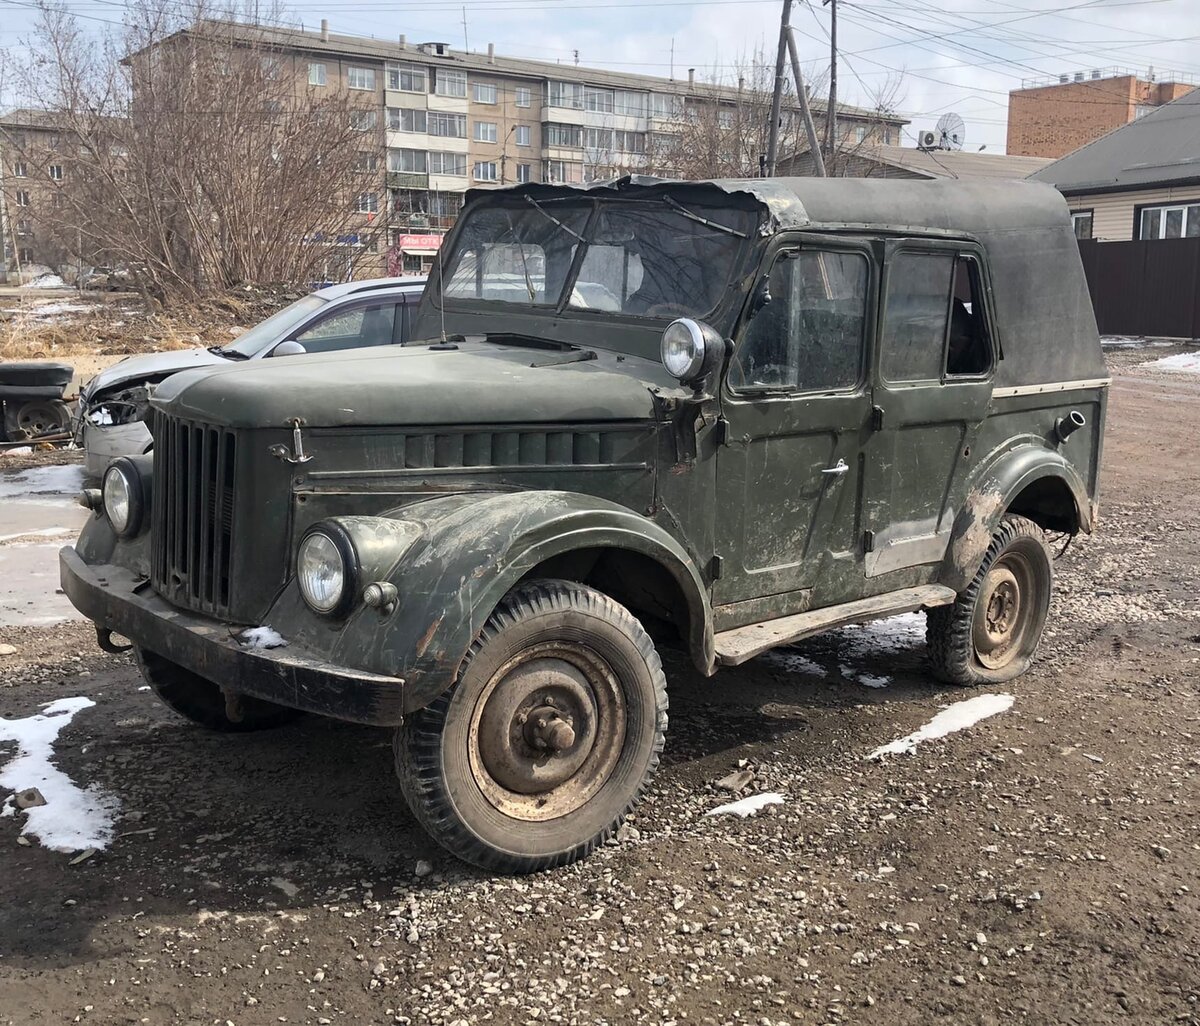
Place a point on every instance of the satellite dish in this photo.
(952, 132)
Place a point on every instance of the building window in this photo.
(565, 94)
(664, 105)
(448, 164)
(363, 120)
(1170, 221)
(407, 78)
(25, 255)
(270, 68)
(483, 92)
(726, 116)
(368, 203)
(56, 172)
(524, 172)
(20, 170)
(22, 198)
(449, 83)
(632, 103)
(360, 78)
(485, 131)
(564, 135)
(316, 74)
(630, 142)
(412, 162)
(401, 119)
(600, 100)
(524, 96)
(522, 133)
(564, 171)
(1081, 221)
(367, 162)
(598, 139)
(412, 264)
(485, 171)
(448, 126)
(860, 134)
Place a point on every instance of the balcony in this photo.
(419, 221)
(407, 180)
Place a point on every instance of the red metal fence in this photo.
(1147, 287)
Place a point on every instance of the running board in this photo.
(742, 643)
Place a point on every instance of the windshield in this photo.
(276, 327)
(645, 258)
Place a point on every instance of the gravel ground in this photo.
(1042, 866)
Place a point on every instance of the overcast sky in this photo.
(959, 56)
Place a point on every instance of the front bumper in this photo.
(117, 600)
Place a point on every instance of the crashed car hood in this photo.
(135, 369)
(472, 383)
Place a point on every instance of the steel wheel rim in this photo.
(35, 419)
(1006, 600)
(547, 731)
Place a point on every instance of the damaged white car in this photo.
(115, 403)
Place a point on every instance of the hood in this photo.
(133, 370)
(476, 382)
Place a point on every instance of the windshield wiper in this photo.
(229, 354)
(550, 217)
(530, 342)
(672, 202)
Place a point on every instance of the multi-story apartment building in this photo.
(32, 170)
(1052, 117)
(446, 120)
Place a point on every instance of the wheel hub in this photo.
(1000, 614)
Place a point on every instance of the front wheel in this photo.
(203, 702)
(990, 633)
(547, 738)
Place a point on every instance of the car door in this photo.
(796, 406)
(933, 384)
(352, 326)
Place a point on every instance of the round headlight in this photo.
(683, 349)
(325, 570)
(122, 491)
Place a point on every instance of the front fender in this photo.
(470, 550)
(998, 483)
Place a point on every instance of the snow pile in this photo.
(46, 281)
(744, 807)
(1184, 363)
(262, 637)
(73, 818)
(954, 718)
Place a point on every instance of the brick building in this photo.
(1051, 118)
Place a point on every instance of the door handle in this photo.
(837, 470)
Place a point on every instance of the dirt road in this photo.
(1042, 866)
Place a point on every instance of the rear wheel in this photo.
(35, 418)
(547, 738)
(991, 632)
(203, 702)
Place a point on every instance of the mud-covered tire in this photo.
(202, 702)
(990, 633)
(547, 738)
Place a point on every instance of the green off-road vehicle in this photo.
(716, 415)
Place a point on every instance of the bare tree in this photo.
(195, 153)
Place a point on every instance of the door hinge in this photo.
(868, 541)
(714, 568)
(721, 432)
(876, 418)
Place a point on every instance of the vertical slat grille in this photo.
(193, 513)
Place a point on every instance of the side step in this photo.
(742, 643)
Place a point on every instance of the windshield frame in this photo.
(282, 324)
(677, 201)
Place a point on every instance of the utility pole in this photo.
(777, 95)
(831, 112)
(814, 144)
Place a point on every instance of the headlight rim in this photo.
(135, 489)
(699, 346)
(351, 568)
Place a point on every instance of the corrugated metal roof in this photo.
(1158, 148)
(955, 163)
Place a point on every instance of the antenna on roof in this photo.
(952, 132)
(466, 48)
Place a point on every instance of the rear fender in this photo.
(471, 549)
(993, 493)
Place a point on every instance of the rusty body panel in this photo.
(527, 438)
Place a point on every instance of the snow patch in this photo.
(750, 806)
(39, 481)
(46, 281)
(74, 818)
(1183, 363)
(791, 662)
(262, 637)
(954, 718)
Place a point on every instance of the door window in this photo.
(355, 328)
(807, 334)
(934, 321)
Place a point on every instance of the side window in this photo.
(355, 328)
(934, 320)
(916, 315)
(807, 334)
